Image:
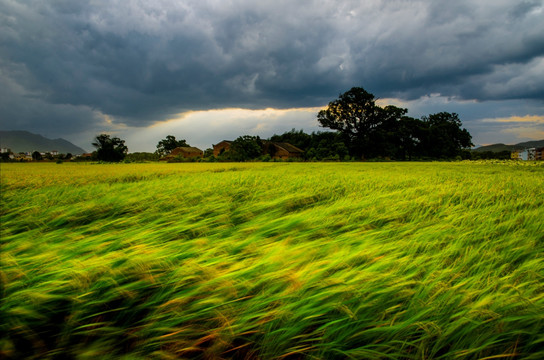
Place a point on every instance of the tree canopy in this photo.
(444, 137)
(370, 131)
(110, 149)
(245, 148)
(36, 156)
(356, 116)
(327, 145)
(165, 146)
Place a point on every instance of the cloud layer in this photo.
(81, 65)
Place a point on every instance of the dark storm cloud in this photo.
(69, 63)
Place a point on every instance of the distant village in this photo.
(361, 130)
(274, 150)
(286, 151)
(528, 154)
(271, 150)
(7, 154)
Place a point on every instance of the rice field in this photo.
(272, 261)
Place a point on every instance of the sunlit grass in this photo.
(273, 260)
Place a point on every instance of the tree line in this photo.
(358, 129)
(370, 131)
(34, 156)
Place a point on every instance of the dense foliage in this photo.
(109, 149)
(272, 261)
(244, 148)
(370, 131)
(317, 145)
(36, 156)
(165, 146)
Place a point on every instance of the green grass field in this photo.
(273, 261)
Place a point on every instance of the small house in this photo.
(23, 156)
(539, 154)
(281, 150)
(187, 152)
(221, 147)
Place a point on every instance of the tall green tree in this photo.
(443, 135)
(110, 149)
(369, 130)
(36, 156)
(385, 137)
(357, 117)
(408, 138)
(245, 148)
(165, 146)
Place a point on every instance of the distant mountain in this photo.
(503, 147)
(23, 141)
(530, 144)
(495, 148)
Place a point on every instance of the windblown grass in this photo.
(273, 261)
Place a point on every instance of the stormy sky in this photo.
(209, 70)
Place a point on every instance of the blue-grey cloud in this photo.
(68, 64)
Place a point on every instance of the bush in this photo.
(265, 158)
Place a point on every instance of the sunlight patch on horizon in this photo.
(426, 100)
(235, 113)
(522, 127)
(205, 128)
(522, 132)
(539, 119)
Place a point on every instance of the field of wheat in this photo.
(272, 261)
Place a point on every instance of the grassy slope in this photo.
(439, 260)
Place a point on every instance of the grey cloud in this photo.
(23, 110)
(524, 8)
(452, 44)
(141, 62)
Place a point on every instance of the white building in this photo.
(525, 154)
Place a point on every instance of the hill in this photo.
(502, 147)
(23, 141)
(530, 144)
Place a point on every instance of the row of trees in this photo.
(37, 156)
(360, 130)
(34, 156)
(370, 131)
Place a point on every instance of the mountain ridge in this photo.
(503, 147)
(25, 141)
